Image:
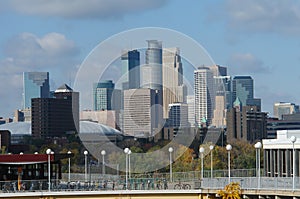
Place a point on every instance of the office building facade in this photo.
(284, 108)
(246, 123)
(130, 69)
(35, 85)
(173, 88)
(103, 95)
(56, 117)
(139, 117)
(178, 115)
(204, 95)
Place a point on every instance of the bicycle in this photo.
(182, 186)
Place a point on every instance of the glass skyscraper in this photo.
(102, 95)
(130, 69)
(35, 85)
(242, 88)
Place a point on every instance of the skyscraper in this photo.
(130, 69)
(102, 95)
(173, 88)
(204, 95)
(152, 70)
(178, 115)
(242, 88)
(35, 85)
(139, 112)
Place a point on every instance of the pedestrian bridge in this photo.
(148, 194)
(251, 187)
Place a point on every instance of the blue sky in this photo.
(260, 38)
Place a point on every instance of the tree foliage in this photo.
(231, 191)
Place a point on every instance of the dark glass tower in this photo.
(35, 85)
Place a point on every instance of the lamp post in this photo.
(85, 164)
(211, 147)
(258, 146)
(201, 150)
(126, 150)
(228, 148)
(129, 167)
(48, 152)
(69, 176)
(171, 174)
(293, 140)
(103, 153)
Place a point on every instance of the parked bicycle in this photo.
(182, 186)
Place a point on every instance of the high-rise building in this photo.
(247, 123)
(35, 85)
(173, 88)
(222, 102)
(130, 69)
(152, 70)
(139, 112)
(242, 88)
(56, 117)
(204, 95)
(178, 115)
(284, 108)
(103, 95)
(190, 100)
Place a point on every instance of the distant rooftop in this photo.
(64, 88)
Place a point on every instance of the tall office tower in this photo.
(223, 102)
(103, 94)
(130, 69)
(190, 100)
(56, 117)
(35, 85)
(178, 115)
(173, 88)
(242, 88)
(204, 95)
(284, 108)
(139, 112)
(152, 70)
(152, 77)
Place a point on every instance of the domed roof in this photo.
(93, 127)
(17, 128)
(86, 127)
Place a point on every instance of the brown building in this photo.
(246, 123)
(55, 117)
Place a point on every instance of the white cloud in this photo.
(82, 8)
(246, 63)
(263, 15)
(30, 51)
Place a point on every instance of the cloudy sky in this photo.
(260, 38)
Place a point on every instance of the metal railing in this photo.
(155, 181)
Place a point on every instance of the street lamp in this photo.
(69, 177)
(211, 147)
(171, 175)
(129, 167)
(201, 150)
(126, 151)
(293, 140)
(48, 152)
(258, 146)
(228, 148)
(85, 164)
(103, 153)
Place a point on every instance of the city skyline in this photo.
(256, 38)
